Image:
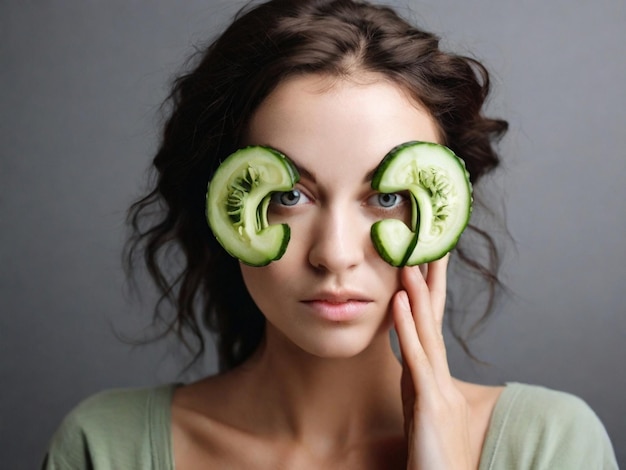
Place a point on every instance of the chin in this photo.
(340, 343)
(337, 351)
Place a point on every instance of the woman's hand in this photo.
(435, 411)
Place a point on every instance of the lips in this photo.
(339, 295)
(340, 306)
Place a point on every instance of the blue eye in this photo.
(386, 200)
(288, 198)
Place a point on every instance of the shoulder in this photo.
(115, 413)
(114, 425)
(543, 428)
(545, 410)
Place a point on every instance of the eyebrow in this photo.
(304, 172)
(370, 175)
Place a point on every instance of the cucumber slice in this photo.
(237, 200)
(441, 195)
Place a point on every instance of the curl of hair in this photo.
(210, 106)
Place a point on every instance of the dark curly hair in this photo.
(209, 109)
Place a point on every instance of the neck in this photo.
(332, 401)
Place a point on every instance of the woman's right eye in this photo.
(292, 197)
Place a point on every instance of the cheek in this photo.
(254, 278)
(395, 280)
(385, 279)
(266, 283)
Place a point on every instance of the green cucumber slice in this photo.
(441, 195)
(237, 200)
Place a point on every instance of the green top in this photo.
(531, 428)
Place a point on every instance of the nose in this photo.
(338, 241)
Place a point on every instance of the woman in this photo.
(308, 378)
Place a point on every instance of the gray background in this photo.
(80, 85)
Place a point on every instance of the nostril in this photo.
(335, 248)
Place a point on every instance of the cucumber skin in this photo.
(413, 256)
(224, 230)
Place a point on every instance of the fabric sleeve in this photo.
(107, 431)
(550, 430)
(68, 449)
(578, 438)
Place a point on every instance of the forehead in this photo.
(319, 120)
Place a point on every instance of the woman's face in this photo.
(330, 292)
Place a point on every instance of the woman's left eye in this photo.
(386, 200)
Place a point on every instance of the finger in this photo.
(425, 319)
(414, 357)
(436, 279)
